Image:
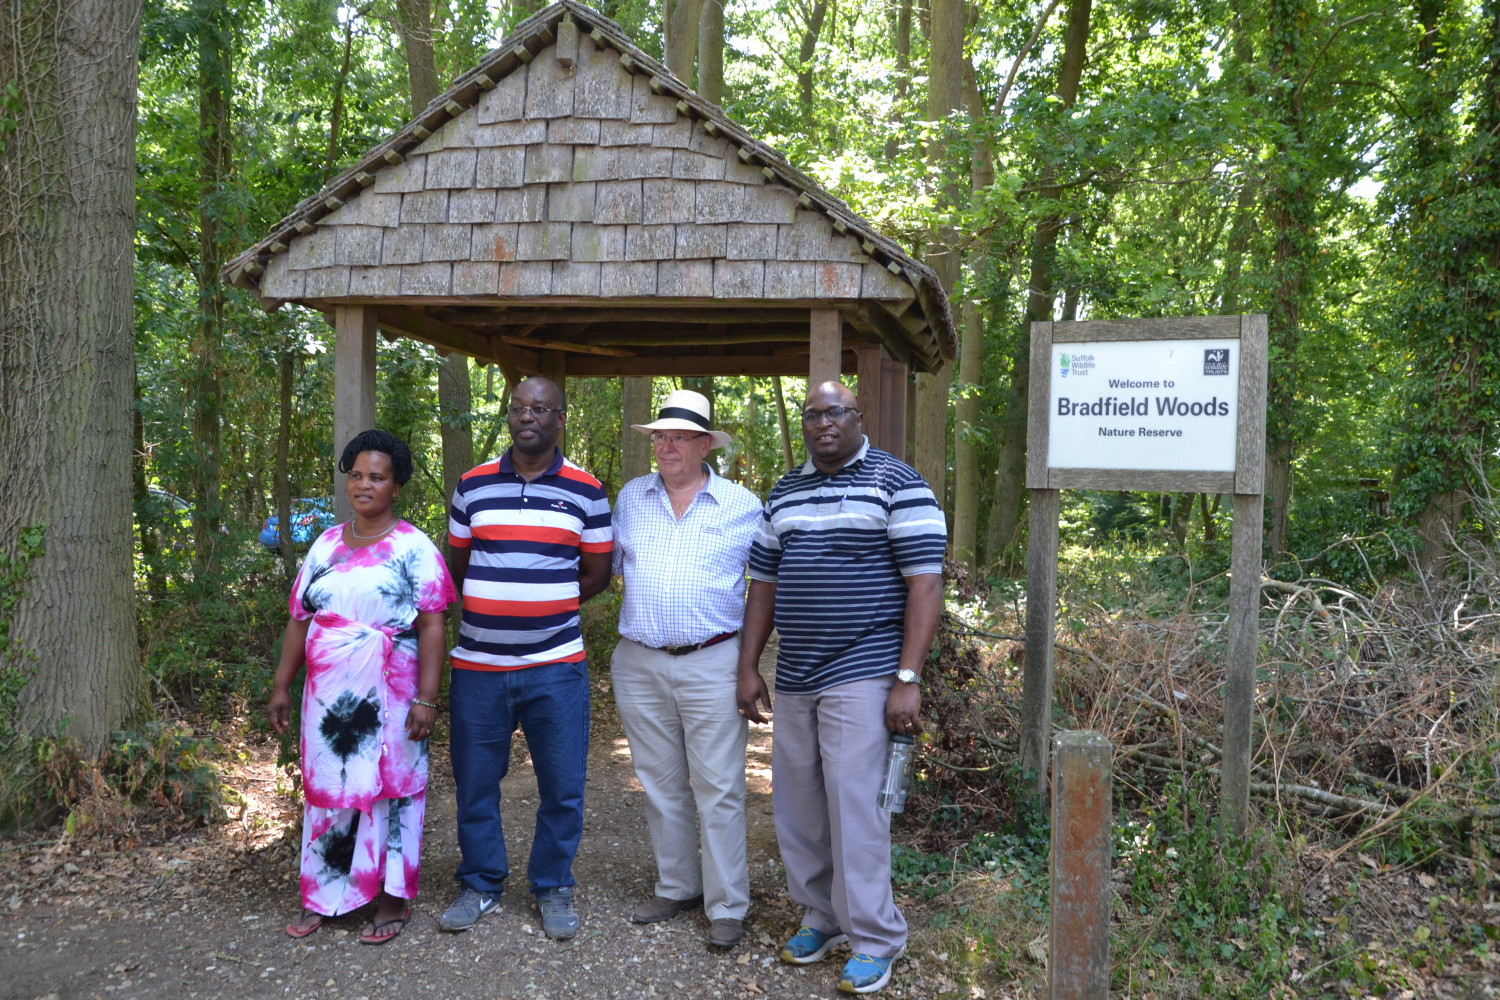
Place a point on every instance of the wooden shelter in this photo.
(571, 208)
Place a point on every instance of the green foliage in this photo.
(1213, 899)
(215, 654)
(161, 765)
(15, 668)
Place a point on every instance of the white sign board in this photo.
(1166, 405)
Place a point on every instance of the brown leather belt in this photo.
(684, 650)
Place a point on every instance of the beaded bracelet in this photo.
(424, 704)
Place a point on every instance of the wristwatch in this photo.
(906, 676)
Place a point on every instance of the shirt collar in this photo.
(712, 487)
(808, 469)
(507, 467)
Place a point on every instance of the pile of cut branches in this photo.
(1376, 709)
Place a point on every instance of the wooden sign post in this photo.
(1159, 405)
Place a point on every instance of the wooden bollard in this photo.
(1079, 966)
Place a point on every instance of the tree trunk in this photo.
(1209, 531)
(787, 455)
(805, 56)
(965, 454)
(635, 447)
(705, 385)
(903, 70)
(711, 52)
(336, 116)
(215, 81)
(1010, 478)
(67, 362)
(944, 96)
(283, 467)
(156, 578)
(682, 44)
(1290, 206)
(414, 22)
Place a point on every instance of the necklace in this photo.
(377, 534)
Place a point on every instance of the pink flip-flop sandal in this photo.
(376, 934)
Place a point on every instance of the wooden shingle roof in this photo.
(570, 193)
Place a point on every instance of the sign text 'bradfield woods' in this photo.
(1160, 405)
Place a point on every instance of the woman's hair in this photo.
(384, 442)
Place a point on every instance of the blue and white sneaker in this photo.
(809, 945)
(866, 973)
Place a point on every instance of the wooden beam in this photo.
(353, 388)
(417, 325)
(825, 345)
(548, 346)
(590, 366)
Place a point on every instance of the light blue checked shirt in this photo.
(684, 580)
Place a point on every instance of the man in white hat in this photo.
(682, 539)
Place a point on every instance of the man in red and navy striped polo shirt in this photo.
(531, 540)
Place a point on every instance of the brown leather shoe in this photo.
(725, 932)
(661, 908)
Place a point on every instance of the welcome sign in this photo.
(1168, 405)
(1157, 405)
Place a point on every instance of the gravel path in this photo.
(201, 915)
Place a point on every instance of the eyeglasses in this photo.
(832, 413)
(535, 411)
(678, 440)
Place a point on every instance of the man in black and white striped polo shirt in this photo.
(848, 564)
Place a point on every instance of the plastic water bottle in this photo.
(892, 797)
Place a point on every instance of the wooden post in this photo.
(1079, 938)
(1244, 580)
(1041, 605)
(825, 347)
(869, 398)
(353, 389)
(554, 365)
(893, 382)
(1041, 575)
(635, 450)
(1239, 672)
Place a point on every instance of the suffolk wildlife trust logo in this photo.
(1078, 364)
(1216, 361)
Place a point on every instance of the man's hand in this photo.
(902, 709)
(752, 691)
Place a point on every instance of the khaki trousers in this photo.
(687, 741)
(827, 765)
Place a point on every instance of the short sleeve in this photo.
(460, 536)
(598, 533)
(765, 550)
(435, 586)
(916, 529)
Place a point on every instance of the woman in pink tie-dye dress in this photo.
(367, 619)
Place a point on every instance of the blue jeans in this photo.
(551, 705)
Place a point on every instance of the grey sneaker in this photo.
(559, 919)
(466, 910)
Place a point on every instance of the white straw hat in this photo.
(685, 410)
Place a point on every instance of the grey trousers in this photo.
(687, 741)
(827, 764)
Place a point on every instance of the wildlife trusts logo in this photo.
(1216, 361)
(1065, 362)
